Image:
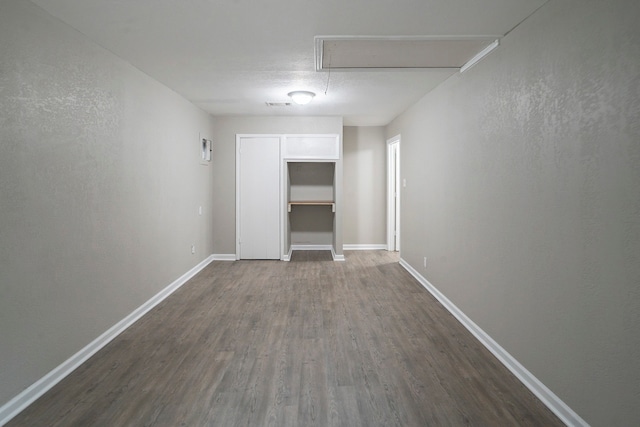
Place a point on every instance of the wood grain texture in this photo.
(310, 342)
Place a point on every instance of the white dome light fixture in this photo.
(301, 97)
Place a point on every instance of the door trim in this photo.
(393, 207)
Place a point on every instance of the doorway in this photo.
(257, 197)
(393, 194)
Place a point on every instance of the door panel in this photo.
(259, 198)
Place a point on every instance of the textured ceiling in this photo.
(231, 57)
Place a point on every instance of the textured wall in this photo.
(224, 164)
(365, 185)
(100, 184)
(523, 190)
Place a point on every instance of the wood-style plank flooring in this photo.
(309, 342)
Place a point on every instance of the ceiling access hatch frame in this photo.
(397, 53)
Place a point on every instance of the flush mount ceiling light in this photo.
(301, 97)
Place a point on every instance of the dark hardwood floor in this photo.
(310, 342)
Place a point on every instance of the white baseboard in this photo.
(360, 247)
(37, 389)
(224, 257)
(553, 402)
(337, 257)
(311, 247)
(287, 256)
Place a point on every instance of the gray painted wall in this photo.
(100, 184)
(224, 166)
(365, 185)
(523, 191)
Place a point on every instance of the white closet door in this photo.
(259, 197)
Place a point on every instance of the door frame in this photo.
(239, 136)
(393, 194)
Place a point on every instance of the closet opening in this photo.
(311, 204)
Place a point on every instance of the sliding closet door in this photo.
(259, 197)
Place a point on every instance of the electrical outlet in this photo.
(193, 249)
(199, 210)
(425, 262)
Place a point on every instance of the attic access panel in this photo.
(379, 53)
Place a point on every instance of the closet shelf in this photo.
(313, 203)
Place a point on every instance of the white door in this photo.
(259, 197)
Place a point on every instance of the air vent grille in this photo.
(278, 104)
